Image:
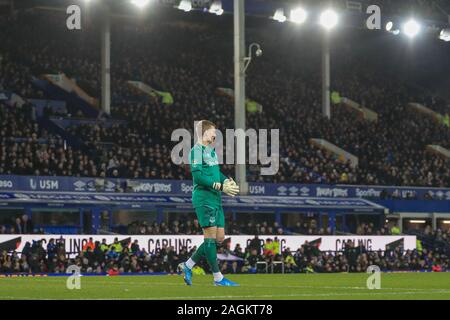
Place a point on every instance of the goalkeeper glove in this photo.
(230, 187)
(231, 180)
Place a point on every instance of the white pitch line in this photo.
(149, 284)
(266, 286)
(295, 295)
(332, 294)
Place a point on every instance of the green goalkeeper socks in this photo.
(199, 253)
(207, 249)
(211, 254)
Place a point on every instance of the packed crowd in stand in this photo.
(264, 228)
(188, 227)
(391, 151)
(119, 258)
(24, 225)
(20, 225)
(29, 149)
(438, 237)
(191, 59)
(176, 227)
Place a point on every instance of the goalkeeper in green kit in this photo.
(209, 182)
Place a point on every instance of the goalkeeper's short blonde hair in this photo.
(203, 126)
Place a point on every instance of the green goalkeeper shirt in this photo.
(205, 172)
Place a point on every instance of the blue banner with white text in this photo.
(184, 187)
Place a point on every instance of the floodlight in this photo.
(411, 28)
(389, 26)
(185, 5)
(392, 27)
(298, 15)
(139, 3)
(445, 35)
(279, 16)
(329, 19)
(216, 8)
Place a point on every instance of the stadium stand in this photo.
(394, 146)
(102, 259)
(179, 59)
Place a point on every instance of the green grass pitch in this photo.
(253, 287)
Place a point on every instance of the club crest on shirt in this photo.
(210, 160)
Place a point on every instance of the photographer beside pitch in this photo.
(209, 182)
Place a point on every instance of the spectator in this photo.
(27, 225)
(18, 226)
(89, 245)
(135, 247)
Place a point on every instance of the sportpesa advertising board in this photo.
(74, 243)
(179, 187)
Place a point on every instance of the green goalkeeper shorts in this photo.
(210, 216)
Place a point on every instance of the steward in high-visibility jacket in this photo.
(269, 248)
(116, 246)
